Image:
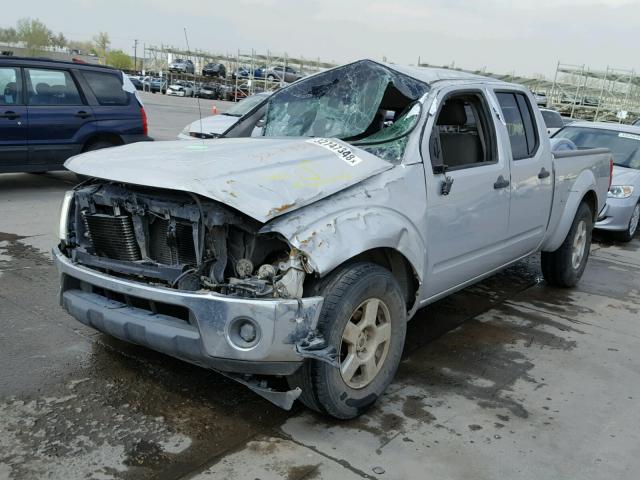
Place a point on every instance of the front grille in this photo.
(112, 236)
(171, 242)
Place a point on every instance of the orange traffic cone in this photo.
(214, 110)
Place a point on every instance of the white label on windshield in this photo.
(629, 135)
(342, 152)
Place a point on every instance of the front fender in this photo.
(567, 205)
(333, 239)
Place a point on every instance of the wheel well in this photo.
(103, 137)
(591, 199)
(397, 264)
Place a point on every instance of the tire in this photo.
(368, 363)
(98, 145)
(565, 266)
(271, 77)
(628, 234)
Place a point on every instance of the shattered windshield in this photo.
(363, 103)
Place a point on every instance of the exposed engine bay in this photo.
(182, 241)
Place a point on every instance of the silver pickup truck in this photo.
(301, 254)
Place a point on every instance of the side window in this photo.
(520, 124)
(107, 88)
(463, 134)
(51, 87)
(10, 86)
(552, 119)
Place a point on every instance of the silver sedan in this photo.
(621, 214)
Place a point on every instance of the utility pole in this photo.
(135, 55)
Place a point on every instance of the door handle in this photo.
(544, 173)
(501, 182)
(82, 114)
(10, 115)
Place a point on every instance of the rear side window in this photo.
(51, 87)
(520, 124)
(107, 88)
(10, 86)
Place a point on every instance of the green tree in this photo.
(59, 40)
(102, 43)
(120, 60)
(8, 35)
(34, 34)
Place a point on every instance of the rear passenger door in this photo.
(531, 173)
(59, 118)
(13, 121)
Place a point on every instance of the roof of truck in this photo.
(432, 75)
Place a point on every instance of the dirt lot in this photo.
(507, 379)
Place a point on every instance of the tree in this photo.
(59, 40)
(102, 42)
(120, 60)
(34, 34)
(8, 35)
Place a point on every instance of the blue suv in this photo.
(51, 110)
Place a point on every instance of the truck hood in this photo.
(260, 177)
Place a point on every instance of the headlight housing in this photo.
(65, 208)
(620, 191)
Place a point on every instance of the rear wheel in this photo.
(565, 266)
(628, 234)
(364, 318)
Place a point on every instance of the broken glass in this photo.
(340, 103)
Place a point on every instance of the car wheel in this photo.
(565, 266)
(628, 234)
(271, 77)
(364, 318)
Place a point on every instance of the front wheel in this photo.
(364, 318)
(565, 266)
(628, 234)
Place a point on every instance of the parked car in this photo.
(296, 254)
(541, 99)
(211, 91)
(636, 123)
(622, 213)
(214, 70)
(280, 73)
(182, 66)
(181, 88)
(241, 72)
(214, 126)
(552, 120)
(51, 110)
(154, 85)
(136, 82)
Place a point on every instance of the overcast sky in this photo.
(528, 36)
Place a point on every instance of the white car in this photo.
(181, 89)
(214, 126)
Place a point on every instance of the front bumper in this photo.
(616, 214)
(204, 338)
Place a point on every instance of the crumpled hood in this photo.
(261, 177)
(626, 176)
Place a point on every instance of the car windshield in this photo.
(624, 146)
(245, 105)
(351, 103)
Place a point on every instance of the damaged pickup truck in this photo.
(373, 191)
